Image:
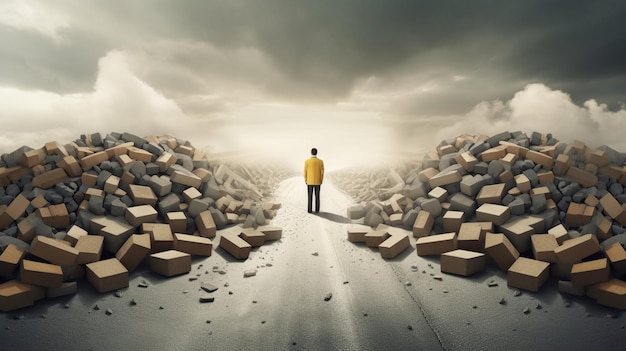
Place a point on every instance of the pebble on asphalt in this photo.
(328, 297)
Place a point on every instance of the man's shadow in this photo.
(333, 217)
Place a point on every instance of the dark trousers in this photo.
(314, 189)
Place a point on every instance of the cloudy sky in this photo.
(352, 77)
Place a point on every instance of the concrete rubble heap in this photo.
(100, 207)
(533, 206)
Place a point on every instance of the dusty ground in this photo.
(376, 304)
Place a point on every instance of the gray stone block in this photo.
(408, 219)
(161, 185)
(616, 189)
(153, 148)
(220, 220)
(471, 185)
(539, 204)
(201, 164)
(13, 190)
(96, 205)
(494, 169)
(212, 189)
(138, 169)
(373, 218)
(169, 203)
(432, 206)
(481, 168)
(136, 140)
(152, 169)
(417, 189)
(479, 147)
(517, 207)
(102, 178)
(447, 160)
(118, 208)
(532, 176)
(535, 139)
(197, 206)
(496, 139)
(461, 202)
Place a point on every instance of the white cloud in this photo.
(541, 109)
(35, 16)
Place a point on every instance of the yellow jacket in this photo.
(313, 171)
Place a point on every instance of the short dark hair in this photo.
(313, 151)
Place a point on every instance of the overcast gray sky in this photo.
(348, 76)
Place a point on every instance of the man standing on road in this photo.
(313, 177)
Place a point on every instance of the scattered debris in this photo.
(328, 297)
(207, 299)
(315, 254)
(109, 312)
(208, 287)
(517, 293)
(502, 301)
(438, 277)
(492, 283)
(143, 284)
(133, 302)
(249, 273)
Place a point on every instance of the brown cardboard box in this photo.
(170, 263)
(395, 244)
(41, 274)
(617, 256)
(497, 214)
(234, 245)
(613, 209)
(522, 183)
(376, 237)
(134, 250)
(142, 195)
(193, 245)
(575, 216)
(94, 159)
(467, 160)
(436, 244)
(111, 186)
(15, 295)
(438, 193)
(206, 225)
(514, 148)
(137, 215)
(423, 224)
(50, 178)
(543, 247)
(73, 234)
(604, 230)
(611, 293)
(574, 250)
(89, 248)
(546, 178)
(53, 250)
(188, 179)
(494, 153)
(177, 221)
(528, 274)
(492, 194)
(581, 177)
(165, 161)
(590, 272)
(107, 275)
(500, 250)
(462, 262)
(191, 193)
(441, 179)
(71, 166)
(425, 174)
(161, 236)
(10, 259)
(271, 232)
(15, 210)
(509, 159)
(253, 237)
(452, 221)
(472, 235)
(139, 154)
(540, 159)
(560, 233)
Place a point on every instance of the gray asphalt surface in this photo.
(376, 304)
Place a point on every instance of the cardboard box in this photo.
(613, 209)
(73, 234)
(54, 251)
(462, 262)
(574, 250)
(89, 248)
(611, 293)
(137, 215)
(188, 179)
(494, 153)
(50, 178)
(165, 161)
(376, 237)
(161, 236)
(206, 224)
(560, 233)
(452, 221)
(522, 183)
(616, 255)
(582, 177)
(133, 251)
(394, 245)
(590, 272)
(107, 275)
(271, 232)
(234, 245)
(15, 295)
(528, 274)
(423, 224)
(472, 235)
(438, 193)
(436, 244)
(497, 214)
(177, 221)
(193, 245)
(15, 210)
(10, 259)
(114, 230)
(142, 195)
(500, 250)
(170, 263)
(518, 230)
(41, 274)
(87, 162)
(253, 237)
(446, 178)
(491, 193)
(543, 247)
(467, 160)
(541, 159)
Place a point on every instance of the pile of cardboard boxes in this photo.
(102, 206)
(532, 205)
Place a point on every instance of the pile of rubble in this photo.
(534, 206)
(101, 207)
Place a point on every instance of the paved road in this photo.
(376, 304)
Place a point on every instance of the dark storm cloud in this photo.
(323, 48)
